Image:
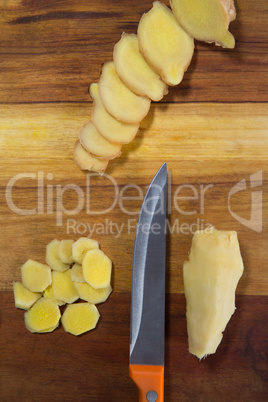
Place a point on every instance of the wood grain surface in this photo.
(212, 131)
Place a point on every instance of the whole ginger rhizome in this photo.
(210, 279)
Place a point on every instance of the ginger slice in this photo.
(210, 280)
(77, 273)
(113, 130)
(120, 101)
(97, 268)
(81, 247)
(79, 318)
(43, 316)
(35, 276)
(96, 144)
(63, 287)
(164, 44)
(52, 257)
(49, 294)
(86, 161)
(134, 71)
(23, 297)
(65, 251)
(91, 295)
(206, 20)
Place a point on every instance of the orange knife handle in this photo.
(148, 378)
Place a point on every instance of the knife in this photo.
(147, 322)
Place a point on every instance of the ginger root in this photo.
(91, 295)
(77, 273)
(164, 44)
(86, 161)
(79, 318)
(134, 71)
(206, 20)
(65, 251)
(81, 247)
(52, 257)
(63, 287)
(94, 143)
(56, 288)
(210, 280)
(97, 268)
(24, 298)
(144, 64)
(35, 276)
(49, 294)
(43, 316)
(113, 130)
(118, 99)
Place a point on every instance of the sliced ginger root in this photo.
(86, 161)
(23, 297)
(94, 143)
(65, 251)
(63, 287)
(164, 49)
(91, 295)
(49, 294)
(52, 257)
(79, 318)
(113, 130)
(77, 273)
(55, 288)
(81, 247)
(206, 20)
(35, 276)
(210, 280)
(97, 268)
(134, 71)
(118, 100)
(43, 316)
(164, 44)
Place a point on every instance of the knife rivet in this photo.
(151, 396)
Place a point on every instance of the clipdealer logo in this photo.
(51, 200)
(255, 221)
(56, 199)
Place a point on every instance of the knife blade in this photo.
(147, 323)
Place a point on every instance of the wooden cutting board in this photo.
(212, 132)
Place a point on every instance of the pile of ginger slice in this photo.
(143, 66)
(76, 274)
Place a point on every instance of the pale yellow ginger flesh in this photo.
(164, 44)
(35, 276)
(23, 297)
(81, 247)
(206, 20)
(134, 71)
(97, 268)
(52, 257)
(49, 294)
(79, 318)
(91, 295)
(86, 161)
(77, 273)
(57, 288)
(145, 64)
(118, 100)
(210, 279)
(63, 287)
(43, 316)
(94, 143)
(113, 130)
(65, 251)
